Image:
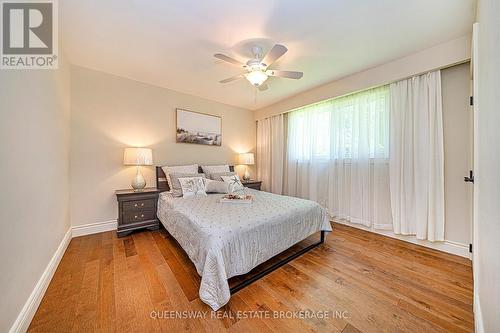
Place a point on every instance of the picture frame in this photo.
(198, 128)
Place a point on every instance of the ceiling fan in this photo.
(257, 71)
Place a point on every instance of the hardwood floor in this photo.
(358, 282)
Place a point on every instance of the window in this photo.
(350, 127)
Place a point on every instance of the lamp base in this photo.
(246, 176)
(138, 183)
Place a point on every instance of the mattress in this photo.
(224, 239)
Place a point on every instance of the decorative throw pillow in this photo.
(176, 188)
(218, 175)
(192, 186)
(190, 169)
(216, 186)
(234, 183)
(209, 169)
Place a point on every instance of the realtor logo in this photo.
(29, 34)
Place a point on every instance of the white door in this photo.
(475, 115)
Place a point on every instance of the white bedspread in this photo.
(224, 240)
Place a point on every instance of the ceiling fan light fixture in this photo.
(256, 78)
(257, 68)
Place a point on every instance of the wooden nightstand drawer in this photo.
(138, 216)
(253, 184)
(139, 205)
(137, 210)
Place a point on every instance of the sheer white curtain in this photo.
(271, 147)
(338, 154)
(417, 157)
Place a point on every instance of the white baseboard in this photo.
(478, 316)
(29, 309)
(451, 247)
(94, 228)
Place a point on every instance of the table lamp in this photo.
(138, 157)
(246, 159)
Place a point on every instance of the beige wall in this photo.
(452, 52)
(34, 215)
(457, 128)
(487, 167)
(109, 113)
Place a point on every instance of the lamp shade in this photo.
(138, 156)
(246, 159)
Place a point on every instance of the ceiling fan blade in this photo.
(276, 52)
(286, 74)
(229, 59)
(263, 87)
(234, 78)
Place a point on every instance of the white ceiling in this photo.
(170, 43)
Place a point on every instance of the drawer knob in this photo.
(135, 217)
(139, 205)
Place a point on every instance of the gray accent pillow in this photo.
(216, 186)
(209, 169)
(176, 188)
(217, 175)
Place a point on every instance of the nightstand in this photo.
(254, 184)
(137, 210)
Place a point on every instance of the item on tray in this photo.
(237, 198)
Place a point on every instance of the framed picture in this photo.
(199, 128)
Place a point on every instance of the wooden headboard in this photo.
(161, 178)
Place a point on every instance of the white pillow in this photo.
(192, 186)
(216, 186)
(193, 168)
(234, 183)
(208, 169)
(176, 189)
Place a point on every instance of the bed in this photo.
(225, 240)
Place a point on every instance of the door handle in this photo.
(469, 179)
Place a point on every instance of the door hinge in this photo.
(469, 179)
(470, 248)
(471, 101)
